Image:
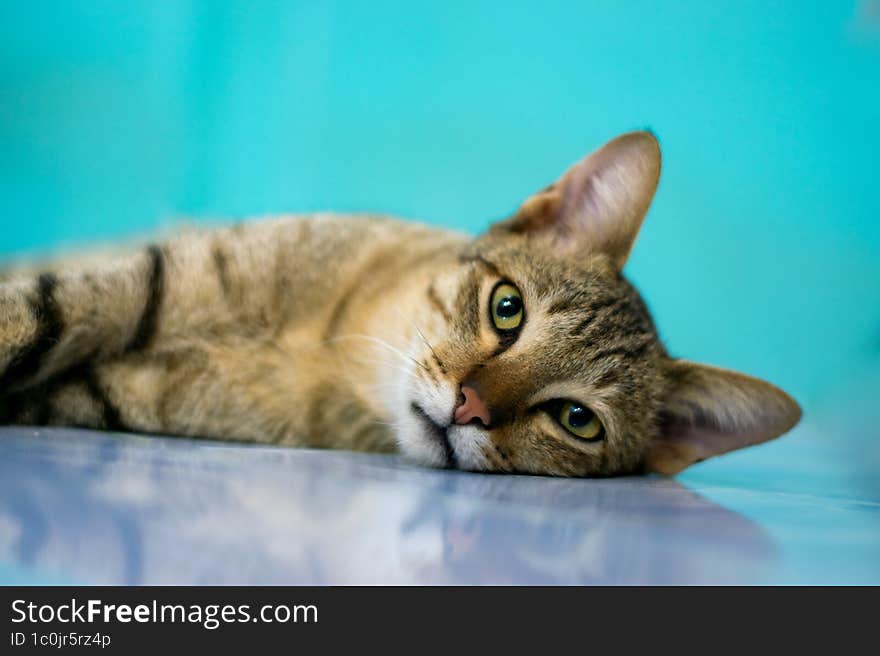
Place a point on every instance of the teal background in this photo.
(760, 252)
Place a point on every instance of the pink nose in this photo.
(471, 408)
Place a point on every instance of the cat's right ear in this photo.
(598, 204)
(709, 411)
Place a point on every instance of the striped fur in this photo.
(357, 332)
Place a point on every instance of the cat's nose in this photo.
(471, 407)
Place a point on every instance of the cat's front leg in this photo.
(203, 285)
(55, 321)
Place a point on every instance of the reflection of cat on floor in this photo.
(115, 511)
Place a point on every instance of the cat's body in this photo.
(262, 332)
(523, 350)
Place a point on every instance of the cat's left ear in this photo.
(598, 204)
(709, 411)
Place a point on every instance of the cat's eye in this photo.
(506, 307)
(580, 421)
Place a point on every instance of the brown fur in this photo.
(357, 333)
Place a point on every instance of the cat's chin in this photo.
(419, 442)
(424, 440)
(426, 443)
(470, 443)
(419, 451)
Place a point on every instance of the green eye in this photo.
(580, 421)
(506, 306)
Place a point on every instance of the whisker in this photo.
(380, 342)
(419, 332)
(392, 365)
(393, 424)
(392, 386)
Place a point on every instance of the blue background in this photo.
(760, 252)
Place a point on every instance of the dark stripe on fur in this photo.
(29, 360)
(11, 408)
(339, 311)
(37, 405)
(479, 259)
(281, 288)
(439, 362)
(146, 328)
(631, 352)
(592, 313)
(109, 412)
(564, 305)
(221, 264)
(438, 304)
(429, 371)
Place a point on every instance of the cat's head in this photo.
(540, 357)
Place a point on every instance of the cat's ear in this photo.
(598, 204)
(709, 411)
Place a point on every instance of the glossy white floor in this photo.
(83, 507)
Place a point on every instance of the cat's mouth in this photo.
(438, 432)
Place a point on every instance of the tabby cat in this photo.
(522, 350)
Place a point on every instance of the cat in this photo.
(523, 350)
